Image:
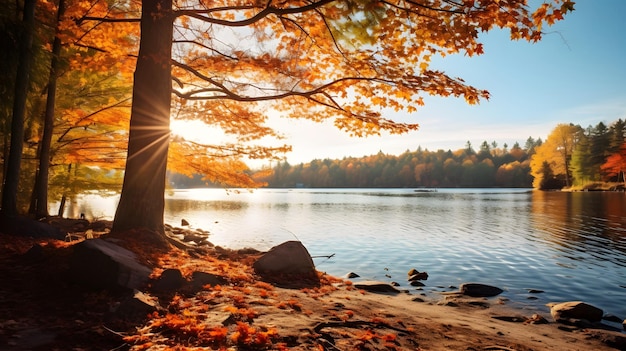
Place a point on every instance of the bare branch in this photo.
(265, 12)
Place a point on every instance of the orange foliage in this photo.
(615, 164)
(339, 61)
(291, 303)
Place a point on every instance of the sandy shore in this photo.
(41, 311)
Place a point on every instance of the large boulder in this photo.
(289, 265)
(566, 311)
(290, 257)
(101, 264)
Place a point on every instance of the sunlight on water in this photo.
(570, 245)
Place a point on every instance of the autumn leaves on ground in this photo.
(42, 310)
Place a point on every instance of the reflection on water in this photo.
(571, 245)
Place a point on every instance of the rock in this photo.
(418, 276)
(537, 319)
(288, 265)
(479, 290)
(535, 291)
(564, 312)
(135, 309)
(611, 318)
(26, 227)
(351, 275)
(412, 271)
(184, 222)
(416, 283)
(624, 324)
(290, 257)
(378, 287)
(101, 264)
(200, 279)
(170, 281)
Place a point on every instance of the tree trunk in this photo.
(12, 177)
(41, 183)
(142, 200)
(62, 206)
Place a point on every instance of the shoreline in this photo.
(200, 237)
(250, 314)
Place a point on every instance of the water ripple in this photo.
(571, 245)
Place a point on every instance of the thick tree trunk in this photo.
(11, 180)
(142, 199)
(41, 183)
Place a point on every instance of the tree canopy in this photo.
(573, 156)
(347, 61)
(231, 64)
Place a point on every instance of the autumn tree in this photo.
(615, 166)
(54, 55)
(347, 61)
(555, 153)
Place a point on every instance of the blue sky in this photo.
(576, 74)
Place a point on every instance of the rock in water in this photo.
(290, 257)
(418, 276)
(562, 312)
(377, 287)
(479, 290)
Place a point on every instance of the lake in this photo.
(570, 245)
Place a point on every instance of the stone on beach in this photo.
(288, 265)
(290, 257)
(563, 312)
(106, 265)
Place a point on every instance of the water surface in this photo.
(570, 245)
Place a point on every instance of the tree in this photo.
(10, 185)
(555, 154)
(615, 166)
(581, 164)
(346, 61)
(42, 175)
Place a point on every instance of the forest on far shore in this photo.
(571, 157)
(489, 166)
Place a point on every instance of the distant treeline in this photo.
(489, 166)
(571, 157)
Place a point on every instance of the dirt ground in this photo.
(41, 310)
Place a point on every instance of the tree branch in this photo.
(265, 12)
